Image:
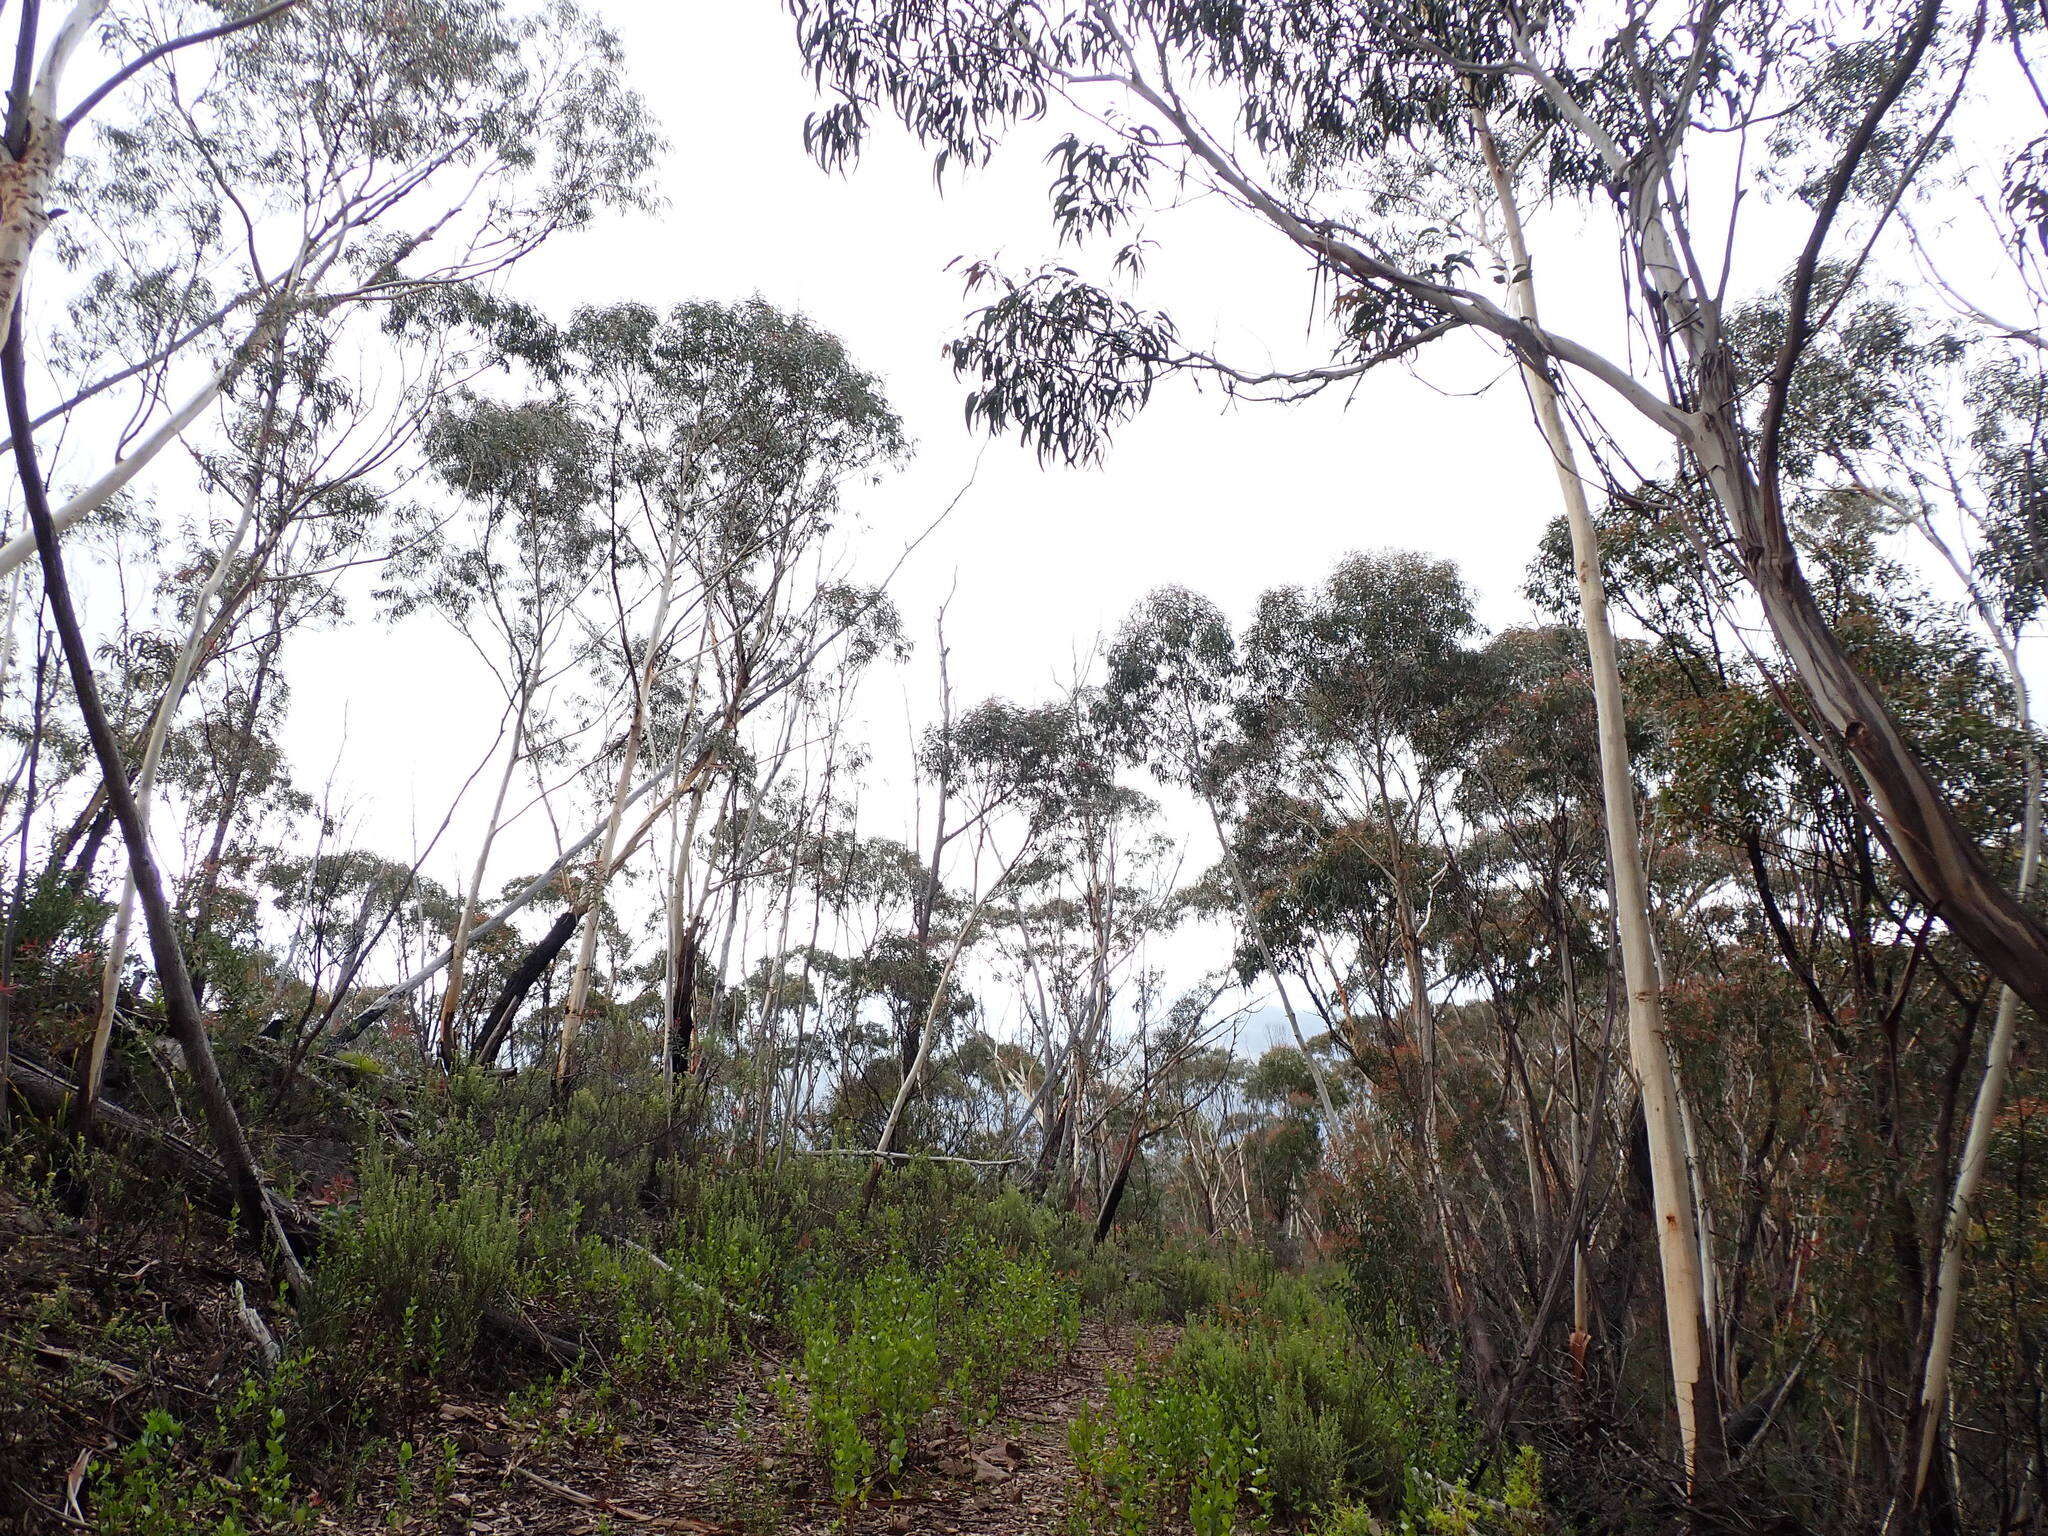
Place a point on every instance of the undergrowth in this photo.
(1278, 1408)
(652, 1267)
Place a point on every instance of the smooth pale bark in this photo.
(578, 1003)
(1423, 1026)
(1983, 1120)
(1940, 859)
(311, 262)
(799, 1090)
(1692, 1383)
(18, 550)
(35, 150)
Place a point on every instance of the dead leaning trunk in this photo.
(181, 1006)
(1125, 1159)
(505, 1007)
(1692, 1382)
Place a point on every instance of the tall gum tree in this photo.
(1061, 360)
(1245, 99)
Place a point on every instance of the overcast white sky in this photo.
(1041, 562)
(1228, 501)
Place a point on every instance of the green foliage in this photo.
(415, 1269)
(870, 1369)
(1165, 1449)
(878, 1357)
(1278, 1406)
(231, 1479)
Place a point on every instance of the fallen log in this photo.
(47, 1095)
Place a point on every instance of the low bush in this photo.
(230, 1477)
(878, 1356)
(408, 1271)
(1276, 1406)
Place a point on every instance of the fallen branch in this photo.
(516, 1325)
(48, 1095)
(688, 1284)
(258, 1330)
(912, 1157)
(124, 1375)
(577, 1496)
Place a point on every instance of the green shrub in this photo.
(1165, 1451)
(879, 1354)
(230, 1479)
(408, 1271)
(1279, 1395)
(996, 1315)
(871, 1371)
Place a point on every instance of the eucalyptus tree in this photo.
(718, 441)
(1824, 1008)
(1877, 442)
(318, 159)
(999, 771)
(1174, 683)
(509, 581)
(1627, 103)
(306, 159)
(1354, 691)
(1100, 886)
(294, 478)
(1531, 890)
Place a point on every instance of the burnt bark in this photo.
(498, 1023)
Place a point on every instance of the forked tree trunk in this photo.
(1692, 1382)
(885, 1145)
(1940, 860)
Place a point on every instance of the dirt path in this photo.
(723, 1465)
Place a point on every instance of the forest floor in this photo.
(99, 1321)
(720, 1462)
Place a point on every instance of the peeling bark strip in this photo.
(35, 146)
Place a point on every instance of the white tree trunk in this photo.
(465, 919)
(1948, 1282)
(1649, 1051)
